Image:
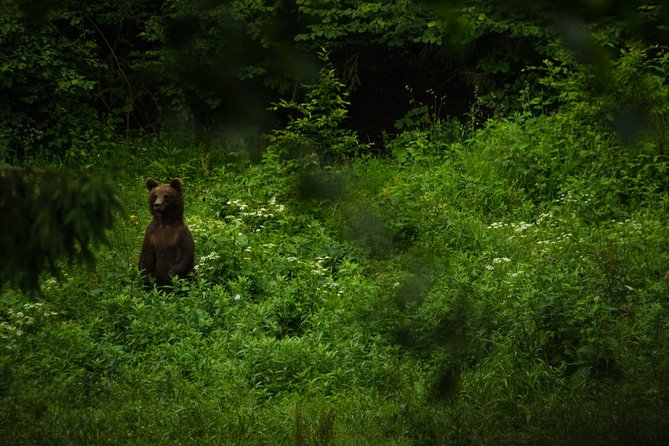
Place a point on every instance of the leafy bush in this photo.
(317, 127)
(44, 80)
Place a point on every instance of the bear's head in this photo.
(166, 201)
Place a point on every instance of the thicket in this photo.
(492, 276)
(75, 74)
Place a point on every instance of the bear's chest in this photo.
(165, 237)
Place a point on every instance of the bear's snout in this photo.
(157, 203)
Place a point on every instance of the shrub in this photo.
(316, 128)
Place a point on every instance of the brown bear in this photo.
(168, 249)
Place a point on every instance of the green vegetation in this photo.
(496, 276)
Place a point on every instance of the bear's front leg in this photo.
(185, 261)
(183, 267)
(147, 263)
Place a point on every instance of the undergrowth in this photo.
(497, 286)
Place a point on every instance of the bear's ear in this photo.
(176, 184)
(151, 183)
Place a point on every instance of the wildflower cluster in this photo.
(18, 321)
(320, 270)
(270, 210)
(232, 234)
(497, 261)
(523, 228)
(242, 216)
(559, 239)
(569, 198)
(517, 227)
(205, 262)
(629, 223)
(544, 231)
(316, 267)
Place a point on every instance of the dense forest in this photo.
(415, 222)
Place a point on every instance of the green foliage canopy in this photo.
(73, 70)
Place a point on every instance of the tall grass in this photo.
(504, 288)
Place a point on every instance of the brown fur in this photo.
(168, 249)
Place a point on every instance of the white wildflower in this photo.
(501, 260)
(522, 226)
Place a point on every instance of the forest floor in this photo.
(504, 286)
